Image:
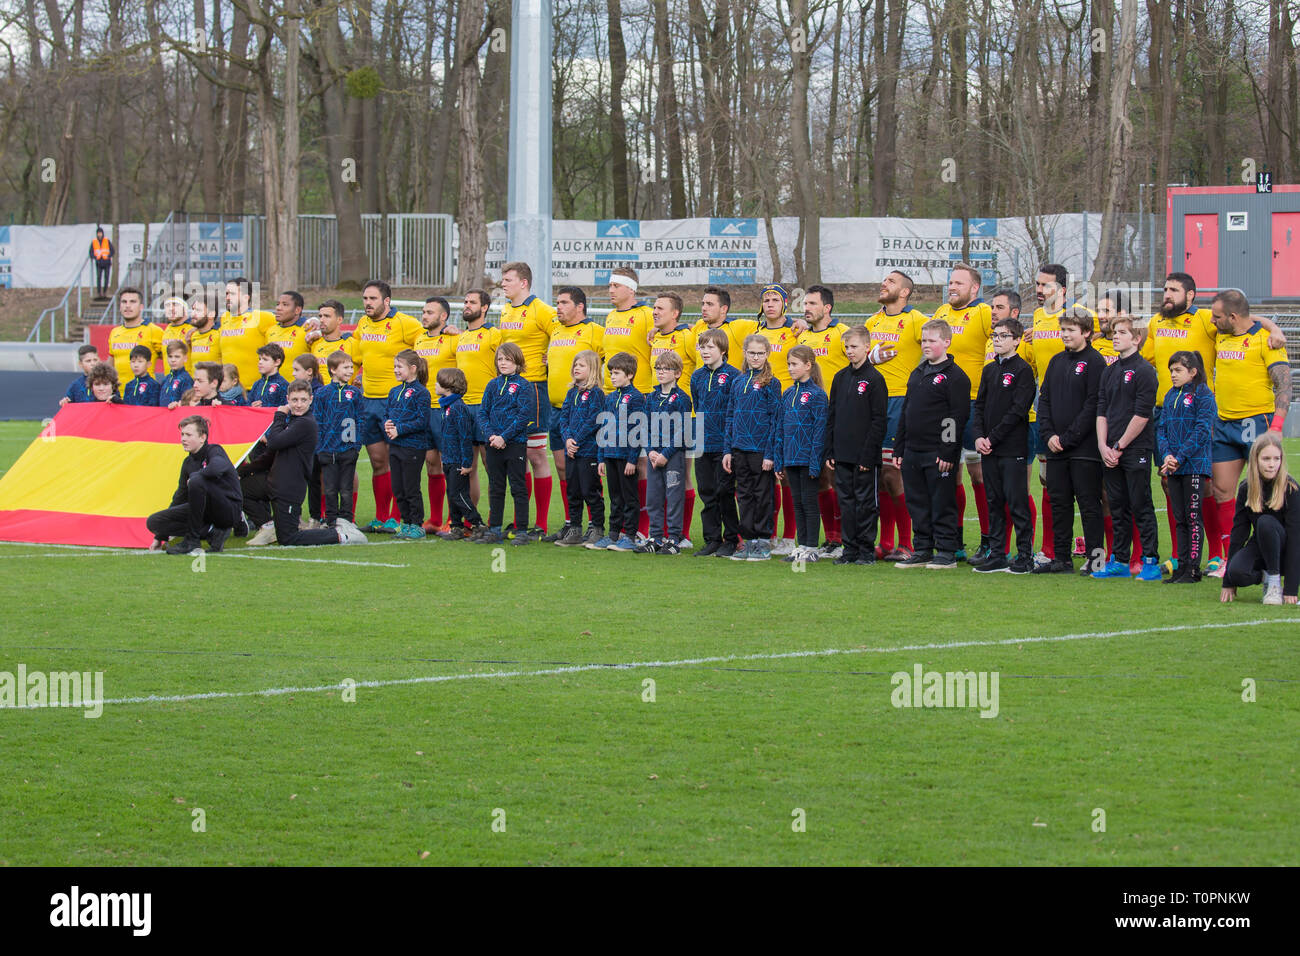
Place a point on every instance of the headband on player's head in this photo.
(628, 281)
(779, 290)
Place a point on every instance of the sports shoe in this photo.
(188, 545)
(572, 536)
(413, 532)
(491, 536)
(646, 547)
(157, 547)
(639, 538)
(982, 554)
(1080, 546)
(942, 561)
(592, 536)
(431, 528)
(555, 536)
(781, 546)
(917, 559)
(375, 527)
(709, 549)
(761, 550)
(217, 539)
(454, 534)
(1177, 575)
(1055, 566)
(959, 555)
(1273, 592)
(1019, 565)
(865, 559)
(1170, 566)
(1150, 570)
(993, 565)
(738, 552)
(831, 549)
(348, 532)
(521, 538)
(685, 544)
(603, 543)
(899, 553)
(725, 550)
(624, 543)
(881, 552)
(1215, 568)
(265, 535)
(390, 526)
(670, 547)
(1041, 557)
(1114, 569)
(846, 558)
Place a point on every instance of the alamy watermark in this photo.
(30, 689)
(923, 688)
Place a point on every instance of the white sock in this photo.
(1272, 579)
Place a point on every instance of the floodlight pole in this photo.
(529, 197)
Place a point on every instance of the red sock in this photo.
(564, 497)
(1135, 556)
(1110, 535)
(1227, 513)
(787, 504)
(643, 520)
(776, 507)
(981, 505)
(826, 505)
(382, 485)
(904, 521)
(886, 506)
(1049, 543)
(543, 488)
(961, 515)
(437, 493)
(354, 504)
(688, 513)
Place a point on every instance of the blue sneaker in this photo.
(1150, 570)
(1113, 569)
(600, 544)
(412, 532)
(624, 543)
(391, 526)
(959, 554)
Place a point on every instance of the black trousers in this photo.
(624, 505)
(859, 511)
(1187, 493)
(717, 490)
(407, 466)
(754, 489)
(582, 478)
(103, 272)
(1070, 480)
(1129, 492)
(192, 517)
(337, 475)
(1261, 555)
(314, 492)
(507, 464)
(460, 508)
(1006, 481)
(287, 515)
(931, 503)
(256, 488)
(807, 513)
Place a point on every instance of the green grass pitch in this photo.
(510, 722)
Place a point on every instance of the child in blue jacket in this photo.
(619, 442)
(800, 447)
(177, 381)
(669, 411)
(409, 437)
(710, 386)
(577, 425)
(753, 414)
(143, 389)
(456, 442)
(1183, 447)
(508, 410)
(338, 407)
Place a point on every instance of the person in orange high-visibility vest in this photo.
(101, 253)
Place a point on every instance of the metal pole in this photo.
(529, 198)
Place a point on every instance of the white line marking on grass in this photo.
(684, 662)
(209, 554)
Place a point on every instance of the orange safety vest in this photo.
(101, 249)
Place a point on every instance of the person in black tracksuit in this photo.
(1264, 546)
(855, 431)
(716, 486)
(276, 487)
(1067, 427)
(1000, 424)
(928, 445)
(208, 502)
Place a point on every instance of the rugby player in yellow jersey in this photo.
(204, 337)
(575, 333)
(381, 333)
(288, 332)
(476, 356)
(1253, 391)
(243, 330)
(715, 313)
(971, 321)
(176, 327)
(674, 335)
(825, 336)
(629, 328)
(330, 338)
(896, 349)
(437, 346)
(775, 326)
(132, 332)
(528, 322)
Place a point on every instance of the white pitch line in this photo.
(684, 662)
(209, 554)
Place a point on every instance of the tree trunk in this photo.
(888, 41)
(472, 221)
(668, 113)
(1117, 143)
(617, 122)
(809, 264)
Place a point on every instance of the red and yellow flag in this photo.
(97, 471)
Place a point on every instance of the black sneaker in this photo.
(917, 559)
(1055, 566)
(845, 558)
(1193, 576)
(942, 560)
(710, 548)
(983, 553)
(456, 533)
(669, 547)
(992, 565)
(725, 550)
(1021, 564)
(1177, 577)
(521, 538)
(557, 535)
(865, 559)
(217, 539)
(185, 546)
(647, 546)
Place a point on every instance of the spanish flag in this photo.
(97, 471)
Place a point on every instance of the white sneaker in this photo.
(640, 538)
(348, 532)
(685, 544)
(1041, 558)
(782, 546)
(1273, 593)
(265, 535)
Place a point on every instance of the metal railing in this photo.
(75, 286)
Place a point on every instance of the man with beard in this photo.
(476, 356)
(243, 330)
(437, 346)
(331, 338)
(715, 313)
(133, 331)
(204, 337)
(288, 332)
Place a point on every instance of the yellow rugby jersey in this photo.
(294, 342)
(204, 347)
(529, 326)
(1241, 366)
(1106, 348)
(736, 330)
(902, 333)
(682, 341)
(439, 351)
(174, 333)
(376, 343)
(828, 344)
(241, 336)
(122, 340)
(783, 339)
(1190, 332)
(476, 356)
(630, 331)
(971, 328)
(566, 342)
(323, 349)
